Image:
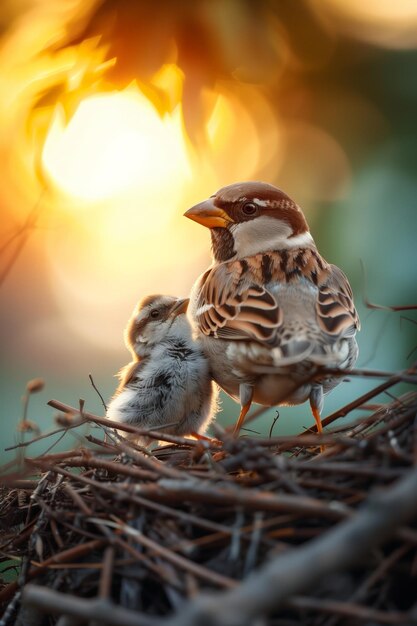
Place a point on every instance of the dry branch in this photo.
(98, 610)
(270, 587)
(114, 536)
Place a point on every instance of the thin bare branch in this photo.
(98, 609)
(298, 570)
(97, 391)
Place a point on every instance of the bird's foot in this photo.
(210, 440)
(317, 417)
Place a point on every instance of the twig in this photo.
(99, 610)
(274, 421)
(24, 444)
(295, 572)
(174, 522)
(65, 408)
(78, 500)
(24, 234)
(89, 461)
(11, 609)
(357, 403)
(348, 609)
(99, 394)
(134, 498)
(370, 305)
(66, 556)
(106, 574)
(198, 491)
(151, 566)
(176, 559)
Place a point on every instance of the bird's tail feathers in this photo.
(300, 352)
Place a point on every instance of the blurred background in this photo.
(116, 116)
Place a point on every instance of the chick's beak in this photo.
(179, 307)
(209, 215)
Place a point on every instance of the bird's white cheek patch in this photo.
(259, 235)
(264, 234)
(299, 241)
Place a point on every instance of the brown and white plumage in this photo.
(270, 309)
(167, 386)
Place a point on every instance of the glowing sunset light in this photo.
(115, 142)
(386, 23)
(136, 173)
(117, 169)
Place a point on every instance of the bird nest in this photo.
(244, 531)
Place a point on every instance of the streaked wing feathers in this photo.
(231, 307)
(336, 312)
(233, 304)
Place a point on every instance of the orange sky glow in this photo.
(112, 169)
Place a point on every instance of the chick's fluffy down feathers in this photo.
(169, 390)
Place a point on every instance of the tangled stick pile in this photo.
(110, 534)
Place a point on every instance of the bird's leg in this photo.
(317, 417)
(245, 395)
(316, 404)
(199, 437)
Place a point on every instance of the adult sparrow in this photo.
(270, 310)
(167, 386)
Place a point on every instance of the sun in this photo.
(114, 143)
(119, 174)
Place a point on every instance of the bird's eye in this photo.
(154, 314)
(249, 208)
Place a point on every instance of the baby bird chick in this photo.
(167, 386)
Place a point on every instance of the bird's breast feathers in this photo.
(241, 300)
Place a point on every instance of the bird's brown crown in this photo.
(246, 201)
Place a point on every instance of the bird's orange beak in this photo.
(209, 215)
(179, 307)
